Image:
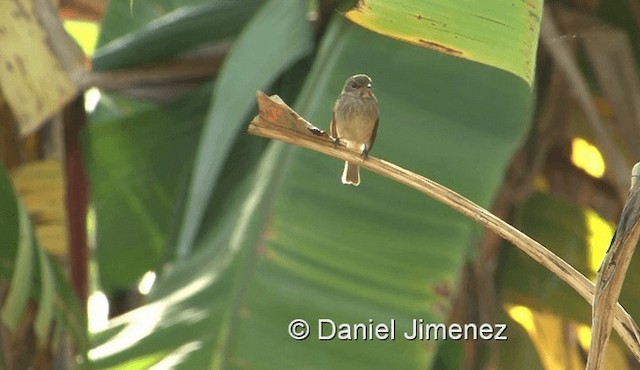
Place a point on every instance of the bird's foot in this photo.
(336, 142)
(364, 151)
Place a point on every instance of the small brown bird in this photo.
(355, 122)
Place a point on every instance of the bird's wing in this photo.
(374, 133)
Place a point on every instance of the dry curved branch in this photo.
(612, 273)
(277, 121)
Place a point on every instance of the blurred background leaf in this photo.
(161, 29)
(277, 36)
(136, 163)
(32, 276)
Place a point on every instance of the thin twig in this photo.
(567, 63)
(612, 61)
(277, 121)
(612, 273)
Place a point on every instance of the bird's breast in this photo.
(356, 118)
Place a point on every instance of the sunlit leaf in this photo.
(498, 33)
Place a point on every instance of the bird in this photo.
(355, 122)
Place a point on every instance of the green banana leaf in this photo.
(492, 32)
(278, 36)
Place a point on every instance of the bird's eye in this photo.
(353, 84)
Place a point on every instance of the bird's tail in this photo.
(351, 174)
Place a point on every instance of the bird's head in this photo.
(359, 85)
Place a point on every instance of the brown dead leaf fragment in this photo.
(275, 111)
(40, 66)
